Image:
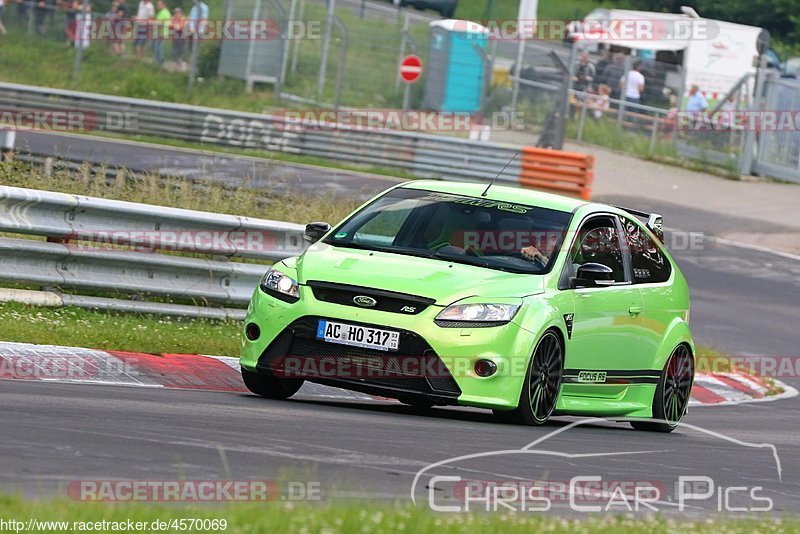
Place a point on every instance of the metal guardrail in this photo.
(424, 155)
(89, 249)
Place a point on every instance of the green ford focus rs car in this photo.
(437, 293)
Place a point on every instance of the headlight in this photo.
(280, 286)
(487, 314)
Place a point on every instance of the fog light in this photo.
(252, 331)
(484, 368)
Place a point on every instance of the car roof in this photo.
(502, 193)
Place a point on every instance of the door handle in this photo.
(634, 309)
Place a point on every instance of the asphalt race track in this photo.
(257, 173)
(743, 301)
(354, 449)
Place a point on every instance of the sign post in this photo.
(410, 71)
(525, 17)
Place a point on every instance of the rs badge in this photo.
(568, 319)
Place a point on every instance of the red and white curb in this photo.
(25, 361)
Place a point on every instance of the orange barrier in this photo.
(568, 173)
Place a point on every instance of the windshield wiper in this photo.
(345, 244)
(394, 250)
(469, 260)
(481, 262)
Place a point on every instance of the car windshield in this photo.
(478, 231)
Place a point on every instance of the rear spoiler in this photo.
(655, 222)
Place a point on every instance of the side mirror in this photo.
(593, 275)
(315, 231)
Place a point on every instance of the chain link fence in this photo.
(348, 53)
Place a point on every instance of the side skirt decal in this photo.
(635, 376)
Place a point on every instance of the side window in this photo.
(649, 263)
(598, 242)
(382, 229)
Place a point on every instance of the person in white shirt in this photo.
(633, 84)
(145, 15)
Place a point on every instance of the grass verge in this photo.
(154, 334)
(182, 193)
(365, 517)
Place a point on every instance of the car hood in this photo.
(444, 281)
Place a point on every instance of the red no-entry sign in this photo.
(410, 68)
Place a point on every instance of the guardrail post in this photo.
(581, 121)
(653, 134)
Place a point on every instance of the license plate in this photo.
(358, 336)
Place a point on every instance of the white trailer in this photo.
(715, 54)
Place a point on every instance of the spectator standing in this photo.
(600, 103)
(634, 84)
(197, 15)
(121, 21)
(40, 14)
(110, 18)
(71, 9)
(584, 74)
(612, 73)
(22, 11)
(2, 28)
(83, 27)
(145, 15)
(600, 66)
(178, 26)
(697, 102)
(161, 33)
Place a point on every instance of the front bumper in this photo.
(288, 329)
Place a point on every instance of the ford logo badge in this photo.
(364, 301)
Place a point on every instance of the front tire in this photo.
(672, 393)
(537, 400)
(270, 386)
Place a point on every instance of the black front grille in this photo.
(414, 369)
(389, 301)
